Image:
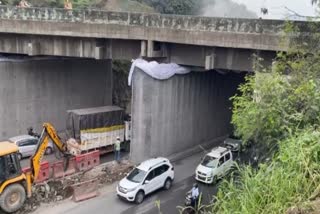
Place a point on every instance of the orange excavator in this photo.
(15, 185)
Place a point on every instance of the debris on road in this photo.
(61, 189)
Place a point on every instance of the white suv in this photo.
(144, 179)
(214, 165)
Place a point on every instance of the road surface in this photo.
(108, 202)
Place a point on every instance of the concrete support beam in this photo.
(153, 49)
(69, 46)
(210, 59)
(103, 49)
(190, 55)
(33, 48)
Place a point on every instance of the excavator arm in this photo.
(47, 133)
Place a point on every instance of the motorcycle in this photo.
(189, 206)
(188, 199)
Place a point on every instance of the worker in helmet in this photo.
(117, 148)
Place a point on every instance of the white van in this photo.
(214, 165)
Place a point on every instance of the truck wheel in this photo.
(12, 198)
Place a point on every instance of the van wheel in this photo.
(12, 198)
(215, 180)
(48, 151)
(139, 197)
(167, 184)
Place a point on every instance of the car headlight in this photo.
(121, 189)
(133, 189)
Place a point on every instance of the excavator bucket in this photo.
(85, 190)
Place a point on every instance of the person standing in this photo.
(117, 149)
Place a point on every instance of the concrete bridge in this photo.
(171, 116)
(210, 43)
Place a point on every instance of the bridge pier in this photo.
(180, 113)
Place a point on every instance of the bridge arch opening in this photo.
(181, 113)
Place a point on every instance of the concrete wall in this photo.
(36, 91)
(176, 114)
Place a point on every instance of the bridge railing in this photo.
(178, 22)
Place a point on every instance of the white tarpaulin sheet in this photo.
(156, 70)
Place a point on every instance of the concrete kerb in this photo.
(194, 150)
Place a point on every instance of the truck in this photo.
(98, 128)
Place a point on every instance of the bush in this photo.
(290, 178)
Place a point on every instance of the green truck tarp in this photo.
(92, 118)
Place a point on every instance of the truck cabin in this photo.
(9, 162)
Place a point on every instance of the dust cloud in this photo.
(225, 8)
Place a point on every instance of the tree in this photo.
(280, 105)
(282, 99)
(183, 7)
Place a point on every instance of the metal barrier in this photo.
(44, 173)
(85, 190)
(88, 161)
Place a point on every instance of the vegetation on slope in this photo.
(279, 107)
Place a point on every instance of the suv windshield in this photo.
(209, 161)
(136, 175)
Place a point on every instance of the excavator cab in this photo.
(16, 186)
(9, 167)
(9, 162)
(12, 191)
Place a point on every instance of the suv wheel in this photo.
(167, 184)
(139, 197)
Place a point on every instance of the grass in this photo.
(289, 179)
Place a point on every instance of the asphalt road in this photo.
(108, 202)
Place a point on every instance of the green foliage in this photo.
(121, 95)
(182, 7)
(54, 3)
(289, 179)
(134, 6)
(279, 106)
(286, 99)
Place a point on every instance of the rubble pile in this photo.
(60, 189)
(115, 171)
(51, 191)
(109, 172)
